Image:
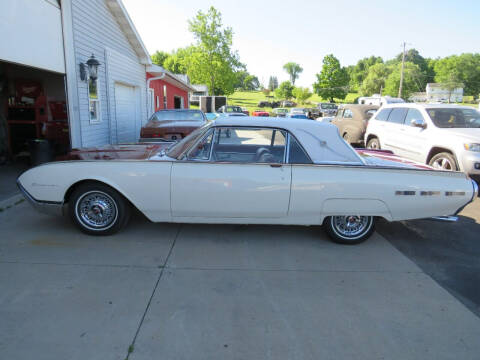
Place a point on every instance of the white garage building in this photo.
(44, 44)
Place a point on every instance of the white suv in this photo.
(443, 136)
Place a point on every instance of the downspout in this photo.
(152, 79)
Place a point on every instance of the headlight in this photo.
(472, 147)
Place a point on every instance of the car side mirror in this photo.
(418, 123)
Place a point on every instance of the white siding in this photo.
(95, 31)
(122, 70)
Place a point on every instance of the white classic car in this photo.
(247, 171)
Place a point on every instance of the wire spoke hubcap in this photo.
(442, 163)
(96, 210)
(350, 225)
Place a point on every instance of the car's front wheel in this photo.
(97, 209)
(444, 161)
(349, 229)
(373, 144)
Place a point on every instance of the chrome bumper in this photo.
(45, 207)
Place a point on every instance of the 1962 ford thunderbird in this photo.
(247, 171)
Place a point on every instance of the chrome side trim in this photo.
(445, 218)
(409, 193)
(454, 193)
(45, 207)
(429, 193)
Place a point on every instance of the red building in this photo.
(166, 90)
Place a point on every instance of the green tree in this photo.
(374, 82)
(359, 72)
(159, 57)
(294, 70)
(251, 82)
(412, 77)
(301, 94)
(332, 82)
(179, 60)
(213, 61)
(285, 90)
(272, 83)
(464, 68)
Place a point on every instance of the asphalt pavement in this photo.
(182, 291)
(448, 252)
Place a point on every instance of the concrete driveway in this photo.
(166, 291)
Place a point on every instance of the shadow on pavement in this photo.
(448, 252)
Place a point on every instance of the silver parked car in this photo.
(444, 136)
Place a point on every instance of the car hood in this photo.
(116, 152)
(174, 123)
(387, 158)
(472, 134)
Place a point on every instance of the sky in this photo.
(268, 34)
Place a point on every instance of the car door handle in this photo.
(275, 165)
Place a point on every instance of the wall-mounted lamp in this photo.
(91, 66)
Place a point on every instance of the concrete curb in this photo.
(11, 201)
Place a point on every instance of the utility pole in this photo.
(401, 73)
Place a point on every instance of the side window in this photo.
(397, 115)
(413, 114)
(347, 114)
(296, 154)
(201, 150)
(370, 113)
(249, 145)
(340, 113)
(383, 114)
(94, 101)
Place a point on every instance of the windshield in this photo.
(178, 148)
(454, 118)
(328, 106)
(186, 115)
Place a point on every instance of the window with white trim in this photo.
(94, 109)
(164, 96)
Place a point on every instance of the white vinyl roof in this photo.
(322, 141)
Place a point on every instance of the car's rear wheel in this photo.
(349, 229)
(97, 209)
(444, 161)
(346, 138)
(373, 144)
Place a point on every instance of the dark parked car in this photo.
(288, 103)
(327, 109)
(313, 113)
(264, 103)
(352, 121)
(172, 125)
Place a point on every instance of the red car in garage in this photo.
(172, 125)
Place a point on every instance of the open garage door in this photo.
(125, 111)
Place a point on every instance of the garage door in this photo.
(125, 110)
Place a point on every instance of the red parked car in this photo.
(260, 113)
(172, 125)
